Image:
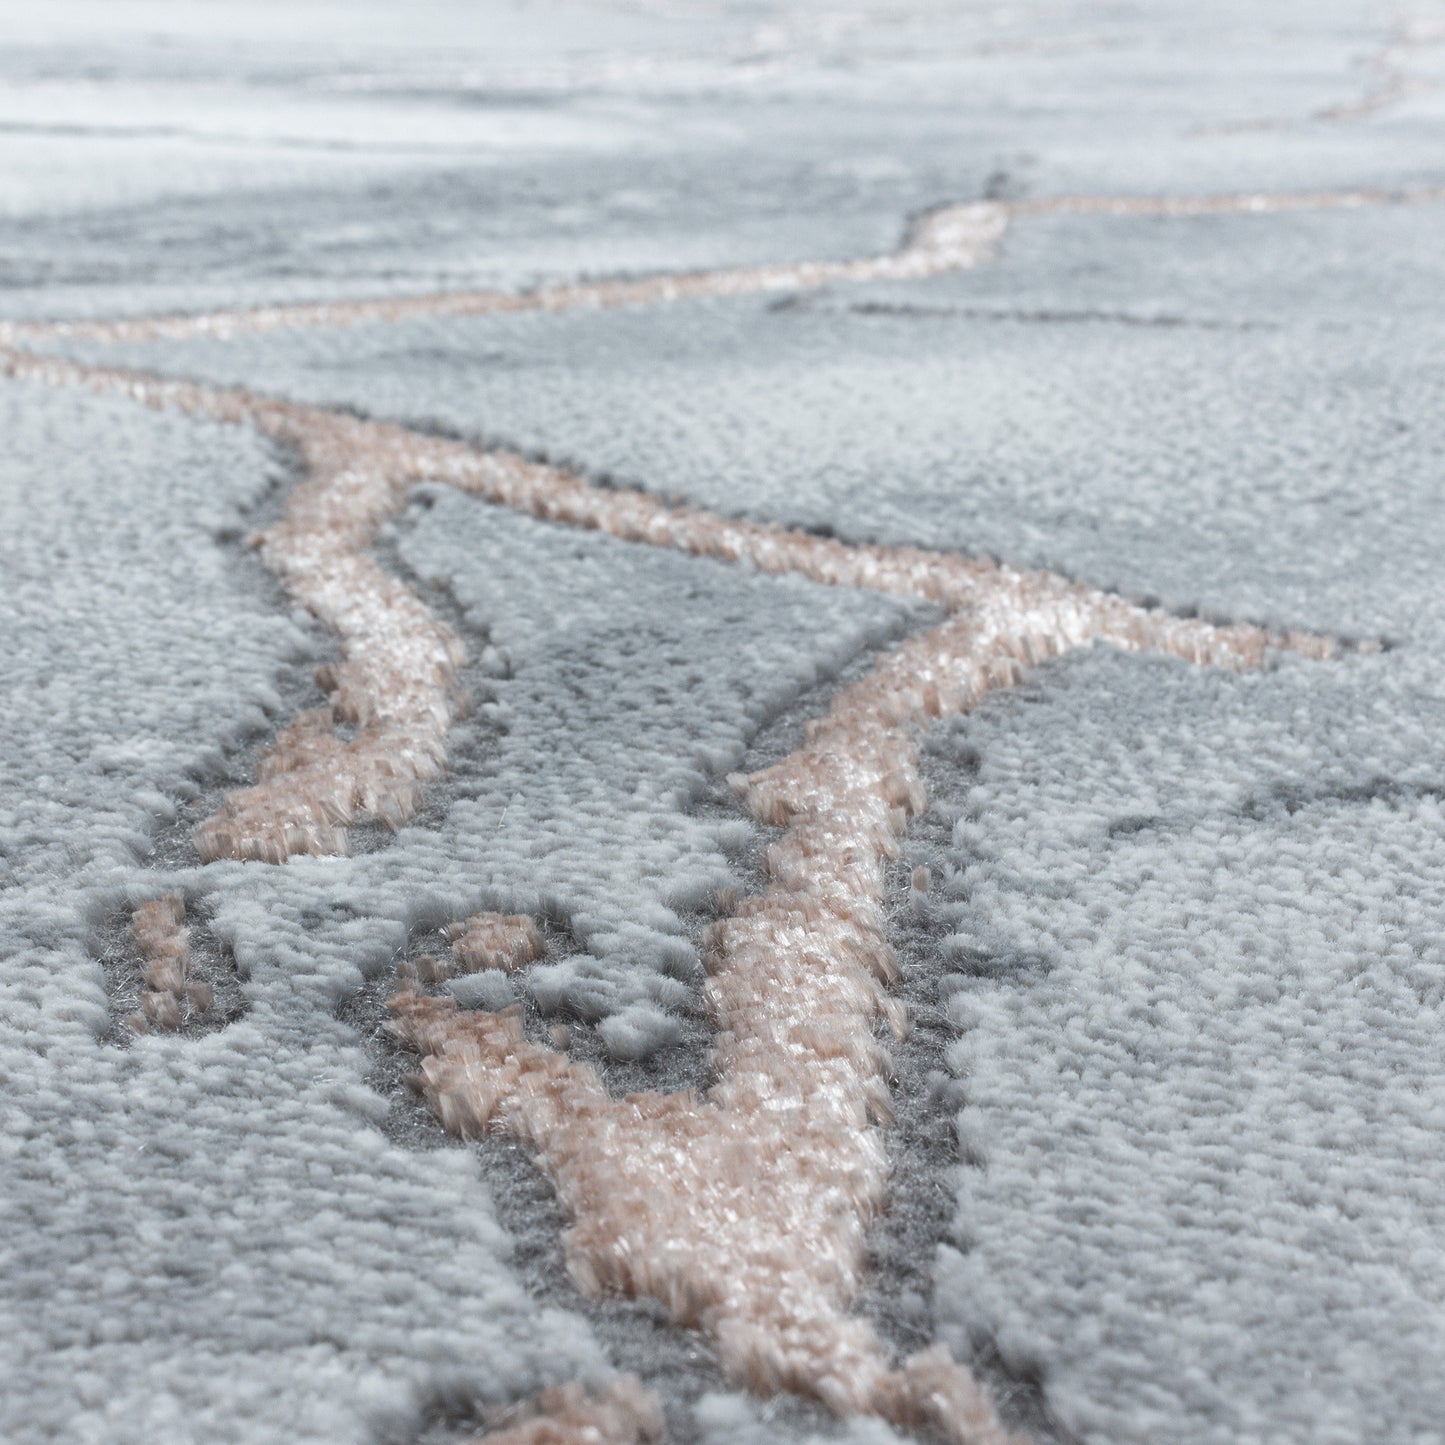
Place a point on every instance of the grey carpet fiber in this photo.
(1167, 1146)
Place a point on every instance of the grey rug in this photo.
(703, 359)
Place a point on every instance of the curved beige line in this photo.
(395, 685)
(948, 238)
(394, 691)
(745, 1212)
(622, 1413)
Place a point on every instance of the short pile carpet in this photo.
(722, 721)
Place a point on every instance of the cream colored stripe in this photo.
(396, 682)
(949, 238)
(622, 1413)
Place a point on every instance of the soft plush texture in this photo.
(1167, 1151)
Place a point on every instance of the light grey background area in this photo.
(1199, 965)
(1186, 936)
(159, 156)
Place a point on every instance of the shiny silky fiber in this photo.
(721, 723)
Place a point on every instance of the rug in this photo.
(722, 722)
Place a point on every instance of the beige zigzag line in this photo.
(744, 1211)
(395, 684)
(948, 238)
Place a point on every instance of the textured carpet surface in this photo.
(1167, 1145)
